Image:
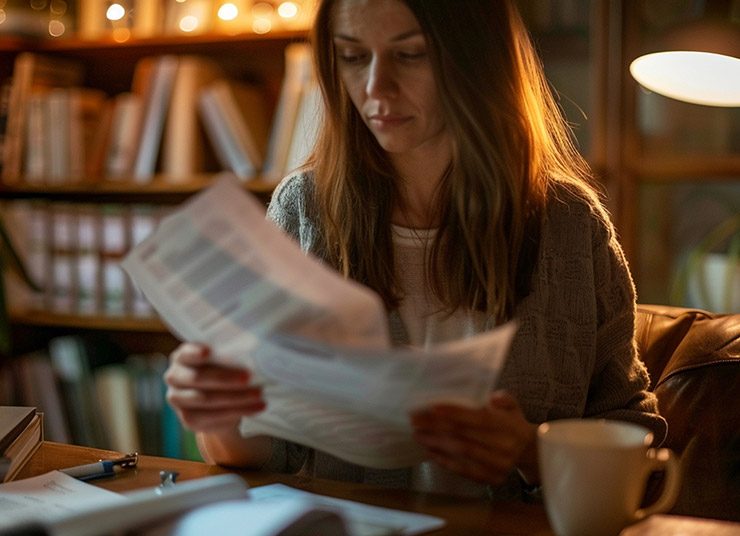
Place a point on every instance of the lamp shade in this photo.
(698, 62)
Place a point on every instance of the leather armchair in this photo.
(693, 358)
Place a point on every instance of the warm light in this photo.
(287, 10)
(115, 12)
(58, 7)
(121, 35)
(189, 23)
(262, 10)
(56, 28)
(3, 16)
(261, 26)
(228, 11)
(695, 77)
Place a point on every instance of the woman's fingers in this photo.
(213, 400)
(210, 421)
(481, 443)
(207, 396)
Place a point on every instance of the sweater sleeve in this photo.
(618, 389)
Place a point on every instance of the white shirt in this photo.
(428, 323)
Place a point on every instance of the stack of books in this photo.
(21, 434)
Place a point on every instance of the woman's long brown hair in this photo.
(510, 142)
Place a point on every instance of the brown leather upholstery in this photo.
(693, 357)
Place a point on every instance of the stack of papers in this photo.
(61, 505)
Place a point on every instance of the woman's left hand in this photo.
(483, 444)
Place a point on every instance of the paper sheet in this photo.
(49, 497)
(218, 272)
(363, 519)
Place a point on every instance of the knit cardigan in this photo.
(573, 354)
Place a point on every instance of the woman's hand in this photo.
(208, 397)
(483, 444)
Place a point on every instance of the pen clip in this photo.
(125, 462)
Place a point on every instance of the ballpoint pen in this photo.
(102, 468)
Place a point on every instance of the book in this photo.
(86, 108)
(125, 123)
(75, 359)
(87, 256)
(184, 147)
(114, 286)
(235, 118)
(298, 73)
(35, 151)
(32, 73)
(115, 398)
(63, 285)
(38, 387)
(13, 420)
(304, 130)
(25, 225)
(156, 103)
(148, 394)
(21, 434)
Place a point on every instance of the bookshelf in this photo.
(138, 342)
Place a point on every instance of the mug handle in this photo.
(663, 459)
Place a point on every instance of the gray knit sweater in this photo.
(573, 354)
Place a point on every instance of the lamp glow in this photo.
(228, 11)
(287, 10)
(115, 12)
(695, 77)
(56, 28)
(189, 23)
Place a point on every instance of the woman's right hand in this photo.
(209, 397)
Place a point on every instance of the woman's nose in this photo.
(381, 80)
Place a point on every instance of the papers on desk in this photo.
(218, 272)
(58, 504)
(362, 519)
(48, 498)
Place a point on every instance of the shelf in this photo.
(687, 168)
(99, 322)
(158, 191)
(16, 44)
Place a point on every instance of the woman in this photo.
(445, 179)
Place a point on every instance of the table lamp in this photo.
(697, 61)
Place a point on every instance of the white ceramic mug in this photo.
(594, 474)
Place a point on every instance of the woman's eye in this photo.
(350, 57)
(411, 55)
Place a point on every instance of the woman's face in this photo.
(383, 62)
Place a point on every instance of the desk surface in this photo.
(464, 516)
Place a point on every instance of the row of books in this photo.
(182, 117)
(92, 394)
(72, 252)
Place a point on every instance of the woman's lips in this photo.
(388, 121)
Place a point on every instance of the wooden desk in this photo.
(464, 516)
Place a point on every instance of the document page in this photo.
(363, 519)
(219, 273)
(50, 497)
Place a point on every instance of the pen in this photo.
(101, 468)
